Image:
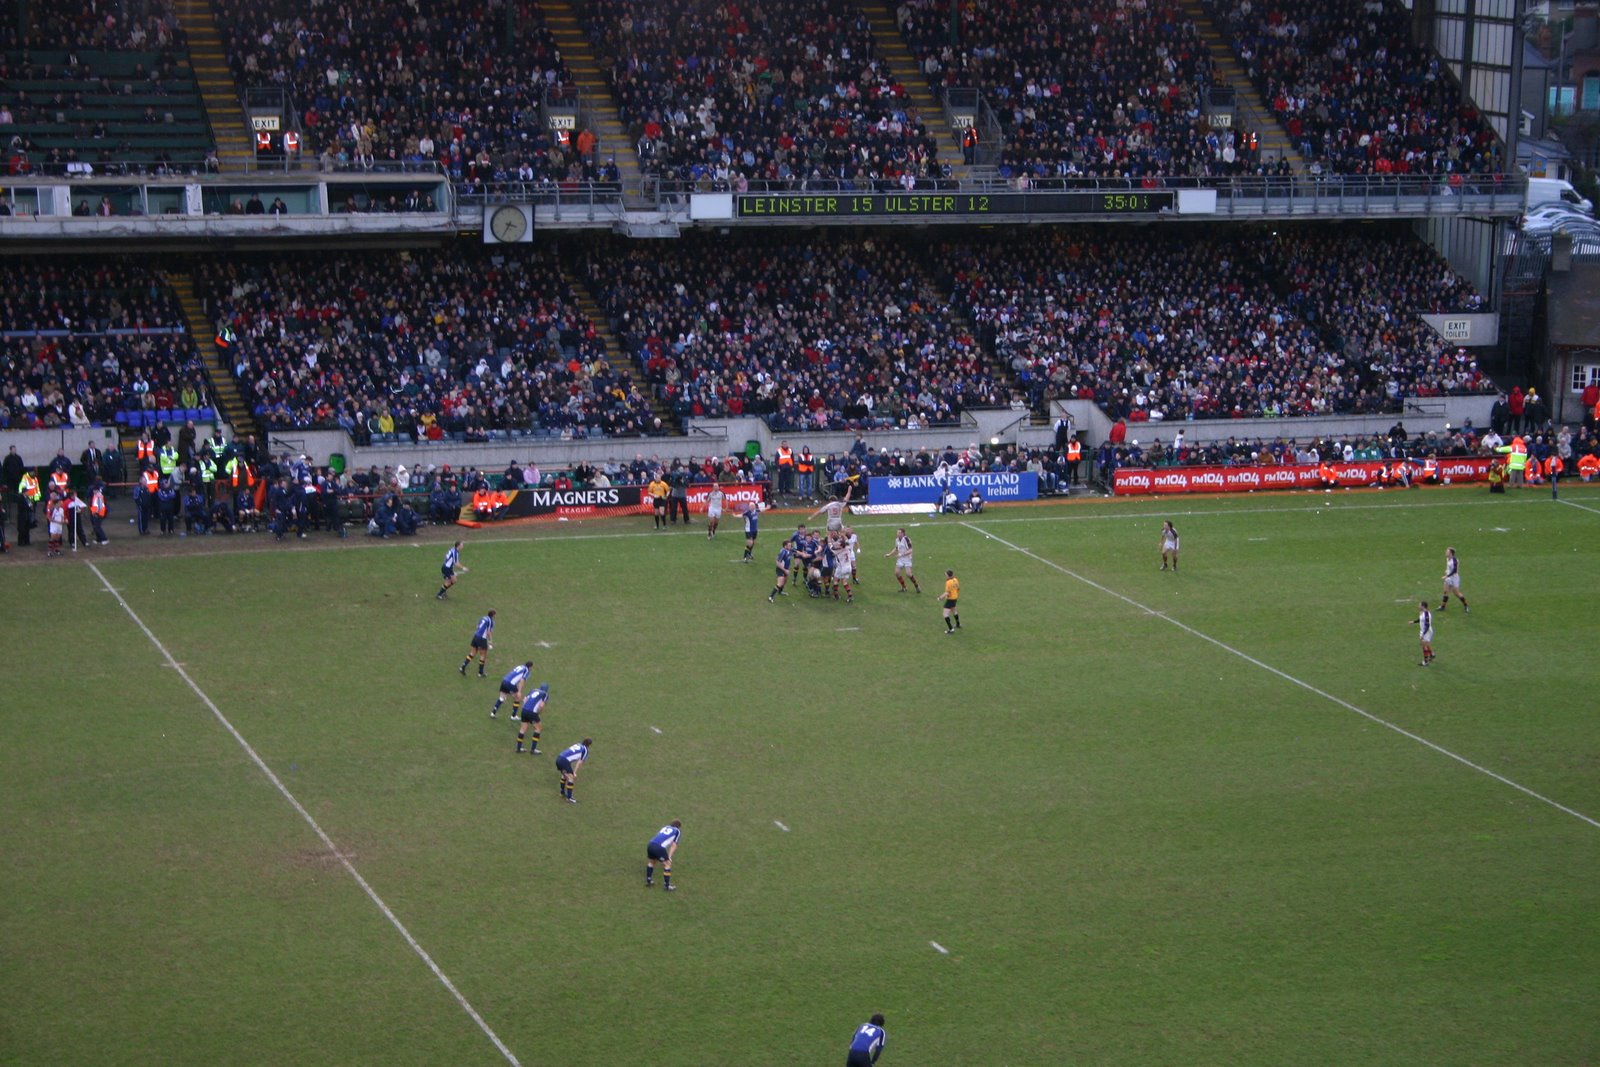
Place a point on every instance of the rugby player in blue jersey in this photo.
(568, 763)
(660, 850)
(752, 523)
(532, 709)
(867, 1044)
(481, 644)
(452, 563)
(785, 557)
(511, 686)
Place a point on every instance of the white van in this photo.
(1556, 191)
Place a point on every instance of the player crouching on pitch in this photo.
(660, 850)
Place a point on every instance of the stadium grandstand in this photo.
(651, 346)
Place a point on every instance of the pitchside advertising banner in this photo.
(925, 488)
(622, 499)
(1137, 481)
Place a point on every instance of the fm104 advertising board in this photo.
(1136, 481)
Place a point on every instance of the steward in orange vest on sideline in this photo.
(144, 449)
(1327, 475)
(1588, 466)
(97, 511)
(59, 482)
(1074, 456)
(145, 498)
(1530, 472)
(1430, 470)
(785, 468)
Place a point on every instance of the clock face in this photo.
(508, 225)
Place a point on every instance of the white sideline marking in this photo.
(544, 644)
(940, 949)
(780, 825)
(322, 835)
(1402, 731)
(1581, 507)
(1255, 538)
(657, 729)
(845, 629)
(1133, 516)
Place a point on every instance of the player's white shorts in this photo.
(1453, 582)
(1427, 637)
(1169, 546)
(57, 529)
(902, 563)
(713, 512)
(835, 525)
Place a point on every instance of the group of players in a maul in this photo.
(826, 562)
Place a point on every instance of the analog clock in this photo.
(508, 225)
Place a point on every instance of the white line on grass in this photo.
(1136, 516)
(1402, 731)
(845, 629)
(940, 949)
(780, 825)
(322, 835)
(657, 729)
(1581, 507)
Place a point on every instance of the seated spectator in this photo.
(1354, 90)
(725, 95)
(459, 339)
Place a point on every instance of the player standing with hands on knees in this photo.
(1452, 581)
(867, 1045)
(1424, 623)
(568, 763)
(452, 562)
(660, 850)
(1169, 545)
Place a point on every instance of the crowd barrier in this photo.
(1139, 481)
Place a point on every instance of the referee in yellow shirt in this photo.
(952, 609)
(657, 491)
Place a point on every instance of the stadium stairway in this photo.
(229, 128)
(229, 403)
(613, 141)
(903, 65)
(1252, 112)
(616, 354)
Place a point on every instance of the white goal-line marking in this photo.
(1323, 693)
(1580, 507)
(322, 835)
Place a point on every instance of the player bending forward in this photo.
(1169, 545)
(569, 763)
(902, 560)
(1452, 581)
(1424, 622)
(531, 713)
(661, 849)
(785, 557)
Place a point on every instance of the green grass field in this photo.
(1136, 845)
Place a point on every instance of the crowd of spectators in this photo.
(1106, 89)
(1197, 326)
(105, 25)
(810, 332)
(81, 340)
(733, 94)
(449, 342)
(1354, 90)
(456, 84)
